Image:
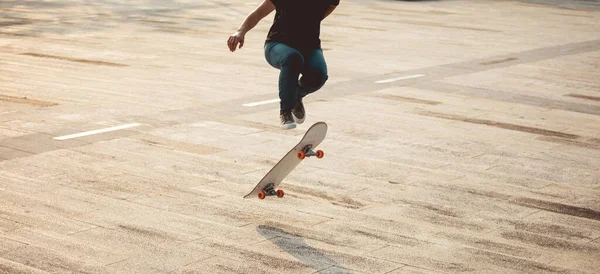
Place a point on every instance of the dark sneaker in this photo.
(287, 121)
(299, 112)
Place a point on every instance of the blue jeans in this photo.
(291, 63)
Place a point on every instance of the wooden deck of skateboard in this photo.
(313, 136)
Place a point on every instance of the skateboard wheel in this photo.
(301, 155)
(262, 194)
(280, 193)
(320, 154)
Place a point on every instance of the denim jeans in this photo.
(291, 63)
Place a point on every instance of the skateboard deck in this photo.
(305, 148)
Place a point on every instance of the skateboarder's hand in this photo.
(234, 40)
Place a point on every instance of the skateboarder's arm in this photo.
(265, 7)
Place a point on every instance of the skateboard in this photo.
(305, 148)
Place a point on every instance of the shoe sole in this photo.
(288, 126)
(299, 121)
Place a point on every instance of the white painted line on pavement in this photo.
(399, 78)
(261, 103)
(92, 132)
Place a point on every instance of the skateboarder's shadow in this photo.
(297, 247)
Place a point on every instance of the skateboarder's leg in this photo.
(290, 62)
(314, 76)
(314, 73)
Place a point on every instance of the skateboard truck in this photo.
(307, 152)
(269, 190)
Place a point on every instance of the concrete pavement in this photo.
(464, 137)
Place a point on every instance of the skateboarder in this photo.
(293, 46)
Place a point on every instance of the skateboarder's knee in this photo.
(320, 78)
(315, 79)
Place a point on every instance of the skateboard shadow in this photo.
(297, 247)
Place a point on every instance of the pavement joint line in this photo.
(194, 262)
(400, 78)
(119, 261)
(414, 266)
(396, 269)
(1, 146)
(366, 254)
(323, 269)
(81, 231)
(532, 213)
(97, 131)
(271, 101)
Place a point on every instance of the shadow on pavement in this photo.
(297, 247)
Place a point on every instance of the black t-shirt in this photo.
(297, 23)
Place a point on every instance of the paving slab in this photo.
(464, 136)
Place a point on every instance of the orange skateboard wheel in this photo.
(262, 194)
(320, 154)
(280, 193)
(301, 155)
